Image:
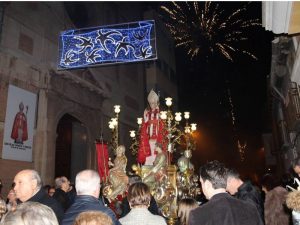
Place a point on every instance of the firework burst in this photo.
(208, 30)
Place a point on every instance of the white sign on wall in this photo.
(19, 124)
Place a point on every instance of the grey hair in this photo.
(32, 213)
(59, 181)
(35, 176)
(87, 182)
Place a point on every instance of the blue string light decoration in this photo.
(120, 43)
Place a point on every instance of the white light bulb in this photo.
(163, 115)
(110, 125)
(194, 126)
(114, 121)
(186, 115)
(117, 108)
(139, 120)
(132, 133)
(178, 116)
(168, 101)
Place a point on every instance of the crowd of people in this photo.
(230, 201)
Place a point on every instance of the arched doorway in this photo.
(71, 147)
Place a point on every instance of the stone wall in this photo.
(28, 54)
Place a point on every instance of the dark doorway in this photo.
(71, 147)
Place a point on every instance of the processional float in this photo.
(158, 137)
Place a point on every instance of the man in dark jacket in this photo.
(87, 185)
(244, 191)
(28, 187)
(62, 185)
(221, 207)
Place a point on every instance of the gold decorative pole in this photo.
(117, 109)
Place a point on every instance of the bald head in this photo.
(27, 183)
(88, 183)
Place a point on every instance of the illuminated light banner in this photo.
(118, 43)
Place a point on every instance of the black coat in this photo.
(223, 209)
(42, 197)
(63, 198)
(83, 203)
(249, 193)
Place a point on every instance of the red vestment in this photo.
(152, 128)
(20, 122)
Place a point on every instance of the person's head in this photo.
(93, 218)
(268, 182)
(293, 200)
(46, 188)
(185, 205)
(32, 213)
(233, 181)
(1, 185)
(213, 178)
(139, 195)
(134, 179)
(87, 182)
(62, 183)
(153, 100)
(21, 106)
(27, 183)
(120, 150)
(296, 165)
(2, 208)
(11, 196)
(51, 191)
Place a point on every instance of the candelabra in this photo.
(135, 137)
(113, 124)
(174, 133)
(188, 135)
(187, 181)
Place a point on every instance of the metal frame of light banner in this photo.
(118, 43)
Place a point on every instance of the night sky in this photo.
(203, 87)
(203, 84)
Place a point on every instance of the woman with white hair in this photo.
(32, 213)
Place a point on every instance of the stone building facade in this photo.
(80, 101)
(282, 144)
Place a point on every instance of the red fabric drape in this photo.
(102, 159)
(144, 147)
